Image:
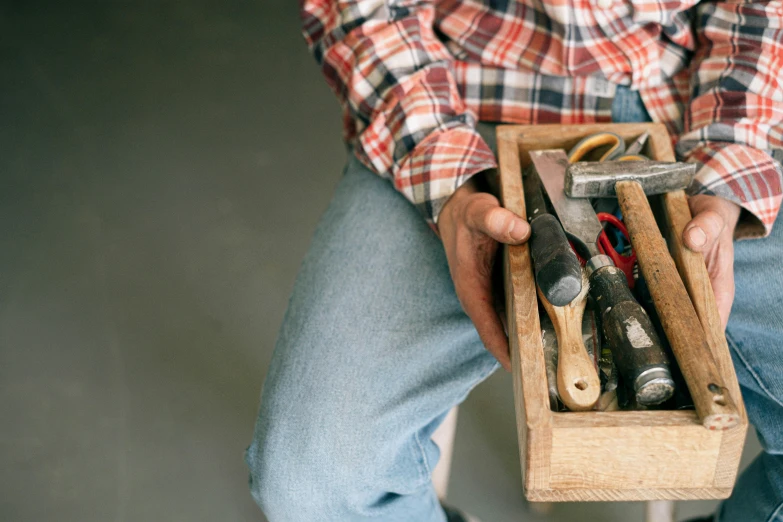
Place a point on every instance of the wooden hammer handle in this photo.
(714, 404)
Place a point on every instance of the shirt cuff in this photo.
(747, 176)
(440, 164)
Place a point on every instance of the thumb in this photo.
(486, 215)
(703, 231)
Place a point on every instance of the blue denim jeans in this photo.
(375, 349)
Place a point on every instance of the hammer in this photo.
(631, 182)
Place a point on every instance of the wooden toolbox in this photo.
(618, 455)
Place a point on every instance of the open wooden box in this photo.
(619, 455)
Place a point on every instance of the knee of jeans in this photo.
(341, 469)
(287, 479)
(271, 487)
(280, 485)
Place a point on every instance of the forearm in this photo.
(394, 79)
(734, 123)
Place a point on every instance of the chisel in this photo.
(635, 344)
(557, 270)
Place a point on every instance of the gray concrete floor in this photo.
(162, 167)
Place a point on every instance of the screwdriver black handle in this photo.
(630, 334)
(556, 268)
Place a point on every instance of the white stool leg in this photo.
(541, 508)
(659, 511)
(444, 438)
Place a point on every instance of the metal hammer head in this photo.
(597, 180)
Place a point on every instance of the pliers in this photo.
(608, 146)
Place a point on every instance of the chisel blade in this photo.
(636, 147)
(576, 215)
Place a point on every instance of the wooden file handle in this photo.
(577, 379)
(714, 404)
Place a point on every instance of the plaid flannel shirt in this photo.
(414, 77)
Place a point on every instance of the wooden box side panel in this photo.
(627, 495)
(531, 398)
(639, 455)
(538, 137)
(634, 457)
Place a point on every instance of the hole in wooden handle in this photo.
(718, 398)
(580, 384)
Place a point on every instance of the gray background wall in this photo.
(162, 167)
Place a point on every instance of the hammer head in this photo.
(597, 180)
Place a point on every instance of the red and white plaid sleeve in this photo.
(394, 79)
(734, 125)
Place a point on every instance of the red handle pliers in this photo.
(623, 262)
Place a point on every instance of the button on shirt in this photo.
(414, 77)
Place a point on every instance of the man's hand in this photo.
(711, 232)
(471, 224)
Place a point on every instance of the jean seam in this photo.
(775, 513)
(735, 347)
(424, 459)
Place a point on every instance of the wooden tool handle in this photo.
(713, 402)
(577, 379)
